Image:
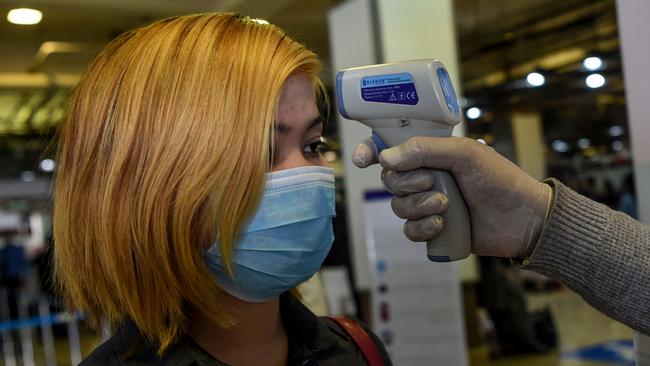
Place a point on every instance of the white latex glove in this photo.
(507, 207)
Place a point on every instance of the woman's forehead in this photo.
(297, 102)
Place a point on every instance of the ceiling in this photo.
(500, 41)
(41, 63)
(499, 44)
(90, 24)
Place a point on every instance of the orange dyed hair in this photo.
(165, 149)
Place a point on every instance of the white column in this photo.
(416, 29)
(634, 28)
(364, 32)
(352, 44)
(633, 31)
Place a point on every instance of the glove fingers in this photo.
(405, 183)
(423, 229)
(419, 205)
(443, 153)
(366, 154)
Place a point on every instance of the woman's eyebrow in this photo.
(284, 129)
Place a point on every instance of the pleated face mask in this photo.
(286, 241)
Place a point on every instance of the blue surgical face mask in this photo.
(286, 241)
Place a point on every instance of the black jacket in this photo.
(313, 341)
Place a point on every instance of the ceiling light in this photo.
(592, 63)
(47, 165)
(535, 79)
(28, 176)
(560, 146)
(584, 143)
(616, 131)
(617, 145)
(595, 81)
(24, 16)
(473, 113)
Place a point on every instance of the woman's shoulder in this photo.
(104, 355)
(311, 338)
(323, 340)
(357, 336)
(127, 347)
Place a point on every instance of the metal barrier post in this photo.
(46, 332)
(26, 342)
(73, 340)
(7, 334)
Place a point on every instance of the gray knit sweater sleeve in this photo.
(602, 254)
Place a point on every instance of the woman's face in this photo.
(298, 126)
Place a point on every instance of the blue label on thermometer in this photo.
(391, 88)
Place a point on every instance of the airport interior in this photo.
(558, 87)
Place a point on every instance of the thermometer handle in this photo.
(454, 241)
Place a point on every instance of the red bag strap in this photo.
(361, 338)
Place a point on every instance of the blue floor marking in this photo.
(620, 352)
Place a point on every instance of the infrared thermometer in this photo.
(402, 100)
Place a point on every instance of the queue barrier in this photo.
(24, 326)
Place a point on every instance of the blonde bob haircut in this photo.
(165, 150)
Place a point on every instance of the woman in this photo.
(190, 197)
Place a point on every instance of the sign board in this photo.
(416, 304)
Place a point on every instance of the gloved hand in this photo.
(507, 207)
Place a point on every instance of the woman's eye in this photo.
(316, 147)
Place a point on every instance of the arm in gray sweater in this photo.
(602, 254)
